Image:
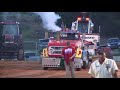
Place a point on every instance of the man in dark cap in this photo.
(103, 67)
(109, 53)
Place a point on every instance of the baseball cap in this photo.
(100, 51)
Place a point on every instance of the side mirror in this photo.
(98, 44)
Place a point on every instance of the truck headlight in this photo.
(51, 50)
(108, 44)
(118, 43)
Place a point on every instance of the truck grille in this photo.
(55, 49)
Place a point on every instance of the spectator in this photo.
(103, 67)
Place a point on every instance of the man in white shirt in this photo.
(103, 67)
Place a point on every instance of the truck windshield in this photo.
(83, 27)
(9, 29)
(69, 36)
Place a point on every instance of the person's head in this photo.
(68, 43)
(83, 48)
(101, 54)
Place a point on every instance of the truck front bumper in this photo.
(59, 62)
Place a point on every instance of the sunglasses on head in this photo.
(100, 52)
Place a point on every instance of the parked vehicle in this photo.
(29, 53)
(113, 43)
(11, 40)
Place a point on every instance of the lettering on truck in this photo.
(91, 37)
(88, 37)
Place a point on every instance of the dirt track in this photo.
(33, 69)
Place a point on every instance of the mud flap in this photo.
(45, 68)
(77, 63)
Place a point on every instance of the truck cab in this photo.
(85, 26)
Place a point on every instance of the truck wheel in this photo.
(20, 54)
(45, 68)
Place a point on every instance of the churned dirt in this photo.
(33, 69)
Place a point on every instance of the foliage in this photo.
(31, 24)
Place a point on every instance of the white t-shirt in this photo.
(104, 70)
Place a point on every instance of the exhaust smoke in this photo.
(49, 20)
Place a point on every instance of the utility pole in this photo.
(36, 43)
(83, 39)
(99, 29)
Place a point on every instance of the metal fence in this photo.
(116, 58)
(31, 46)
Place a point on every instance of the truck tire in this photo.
(20, 55)
(0, 56)
(45, 68)
(84, 65)
(78, 69)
